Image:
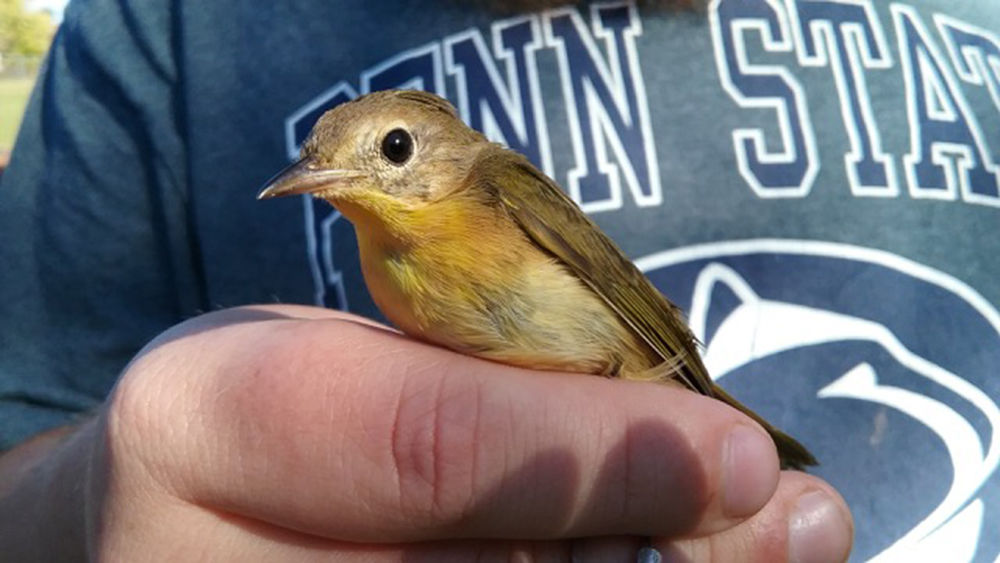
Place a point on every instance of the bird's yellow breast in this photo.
(465, 276)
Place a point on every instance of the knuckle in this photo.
(139, 415)
(133, 409)
(435, 446)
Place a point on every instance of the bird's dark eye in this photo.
(397, 146)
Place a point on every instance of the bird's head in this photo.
(395, 147)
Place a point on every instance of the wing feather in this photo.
(570, 236)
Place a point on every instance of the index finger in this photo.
(347, 431)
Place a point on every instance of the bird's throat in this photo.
(381, 218)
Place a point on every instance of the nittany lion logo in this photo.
(883, 367)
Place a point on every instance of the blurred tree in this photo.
(23, 32)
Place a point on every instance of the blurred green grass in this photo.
(14, 94)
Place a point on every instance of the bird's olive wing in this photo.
(556, 224)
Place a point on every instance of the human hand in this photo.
(299, 433)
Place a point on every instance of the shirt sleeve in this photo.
(94, 224)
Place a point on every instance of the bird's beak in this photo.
(305, 177)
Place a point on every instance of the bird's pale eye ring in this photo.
(397, 146)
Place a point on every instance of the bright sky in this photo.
(54, 6)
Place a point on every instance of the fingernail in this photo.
(818, 531)
(750, 471)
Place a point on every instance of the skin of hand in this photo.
(296, 433)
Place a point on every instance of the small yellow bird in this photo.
(465, 244)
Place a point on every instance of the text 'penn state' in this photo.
(761, 50)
